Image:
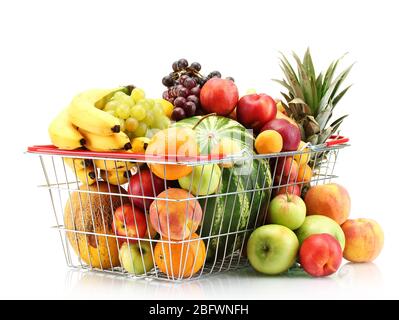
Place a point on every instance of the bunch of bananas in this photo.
(84, 124)
(113, 171)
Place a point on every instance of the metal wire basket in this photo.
(164, 236)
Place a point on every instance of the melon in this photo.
(89, 209)
(226, 213)
(213, 129)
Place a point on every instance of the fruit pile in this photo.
(205, 117)
(314, 231)
(184, 87)
(106, 120)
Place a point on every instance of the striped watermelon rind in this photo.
(231, 213)
(213, 129)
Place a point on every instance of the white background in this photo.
(50, 50)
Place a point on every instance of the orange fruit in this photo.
(180, 260)
(269, 141)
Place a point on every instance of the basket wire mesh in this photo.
(89, 241)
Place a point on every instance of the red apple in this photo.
(129, 222)
(219, 96)
(287, 167)
(320, 255)
(290, 133)
(291, 189)
(145, 184)
(255, 110)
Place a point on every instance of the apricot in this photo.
(174, 145)
(304, 173)
(331, 200)
(180, 260)
(364, 240)
(176, 217)
(269, 141)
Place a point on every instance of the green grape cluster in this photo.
(138, 115)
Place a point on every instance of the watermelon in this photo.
(235, 212)
(230, 213)
(212, 129)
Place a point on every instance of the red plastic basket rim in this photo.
(53, 150)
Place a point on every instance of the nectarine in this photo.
(320, 255)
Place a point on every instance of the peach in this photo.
(331, 200)
(364, 240)
(176, 217)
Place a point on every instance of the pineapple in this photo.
(310, 100)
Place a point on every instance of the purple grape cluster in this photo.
(184, 87)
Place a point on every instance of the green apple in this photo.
(203, 180)
(272, 249)
(317, 224)
(288, 210)
(136, 258)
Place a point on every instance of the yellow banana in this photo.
(115, 177)
(113, 164)
(86, 176)
(85, 112)
(140, 144)
(64, 134)
(78, 163)
(116, 141)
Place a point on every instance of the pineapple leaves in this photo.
(340, 95)
(297, 101)
(283, 83)
(305, 81)
(311, 96)
(341, 79)
(291, 77)
(335, 125)
(308, 63)
(330, 74)
(324, 116)
(334, 86)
